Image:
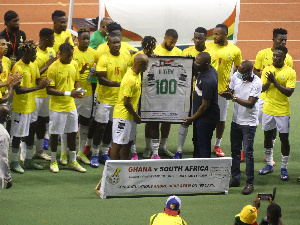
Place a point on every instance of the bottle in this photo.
(93, 68)
(50, 55)
(81, 90)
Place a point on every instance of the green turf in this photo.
(41, 197)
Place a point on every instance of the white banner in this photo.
(165, 176)
(166, 89)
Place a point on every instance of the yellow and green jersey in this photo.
(276, 103)
(25, 103)
(63, 77)
(130, 87)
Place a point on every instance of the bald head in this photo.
(141, 62)
(248, 65)
(205, 57)
(4, 113)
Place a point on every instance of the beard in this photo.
(14, 29)
(167, 47)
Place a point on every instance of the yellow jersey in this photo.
(264, 58)
(41, 58)
(63, 77)
(6, 64)
(227, 55)
(116, 67)
(25, 103)
(164, 52)
(276, 103)
(89, 56)
(165, 219)
(61, 38)
(194, 52)
(130, 87)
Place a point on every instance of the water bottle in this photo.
(93, 68)
(81, 90)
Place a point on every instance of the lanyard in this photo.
(12, 45)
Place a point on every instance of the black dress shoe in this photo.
(234, 183)
(248, 189)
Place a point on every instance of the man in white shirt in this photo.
(4, 147)
(245, 88)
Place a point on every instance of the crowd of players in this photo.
(93, 87)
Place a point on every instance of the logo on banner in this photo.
(114, 179)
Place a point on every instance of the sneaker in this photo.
(15, 166)
(177, 155)
(54, 167)
(94, 161)
(155, 157)
(22, 154)
(267, 169)
(103, 158)
(165, 152)
(87, 150)
(63, 159)
(234, 183)
(30, 164)
(266, 161)
(284, 174)
(218, 151)
(147, 153)
(46, 144)
(74, 165)
(81, 156)
(42, 155)
(134, 157)
(248, 189)
(242, 156)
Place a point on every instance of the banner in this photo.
(165, 176)
(166, 90)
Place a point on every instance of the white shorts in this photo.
(95, 97)
(63, 122)
(20, 124)
(103, 112)
(84, 106)
(223, 105)
(260, 109)
(123, 131)
(281, 123)
(42, 106)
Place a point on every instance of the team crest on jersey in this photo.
(282, 78)
(114, 179)
(124, 64)
(91, 60)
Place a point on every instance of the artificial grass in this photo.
(42, 197)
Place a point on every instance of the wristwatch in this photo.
(234, 99)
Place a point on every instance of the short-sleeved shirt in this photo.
(164, 52)
(20, 37)
(264, 58)
(166, 219)
(125, 47)
(194, 52)
(227, 55)
(206, 87)
(61, 38)
(96, 39)
(63, 77)
(276, 103)
(130, 87)
(25, 103)
(6, 64)
(82, 57)
(41, 59)
(243, 90)
(116, 67)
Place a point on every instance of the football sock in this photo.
(47, 131)
(163, 143)
(269, 156)
(88, 142)
(95, 150)
(15, 155)
(104, 148)
(63, 148)
(148, 143)
(83, 133)
(182, 133)
(155, 145)
(53, 156)
(133, 148)
(39, 145)
(284, 161)
(72, 155)
(29, 152)
(217, 142)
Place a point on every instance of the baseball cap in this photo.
(248, 215)
(173, 205)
